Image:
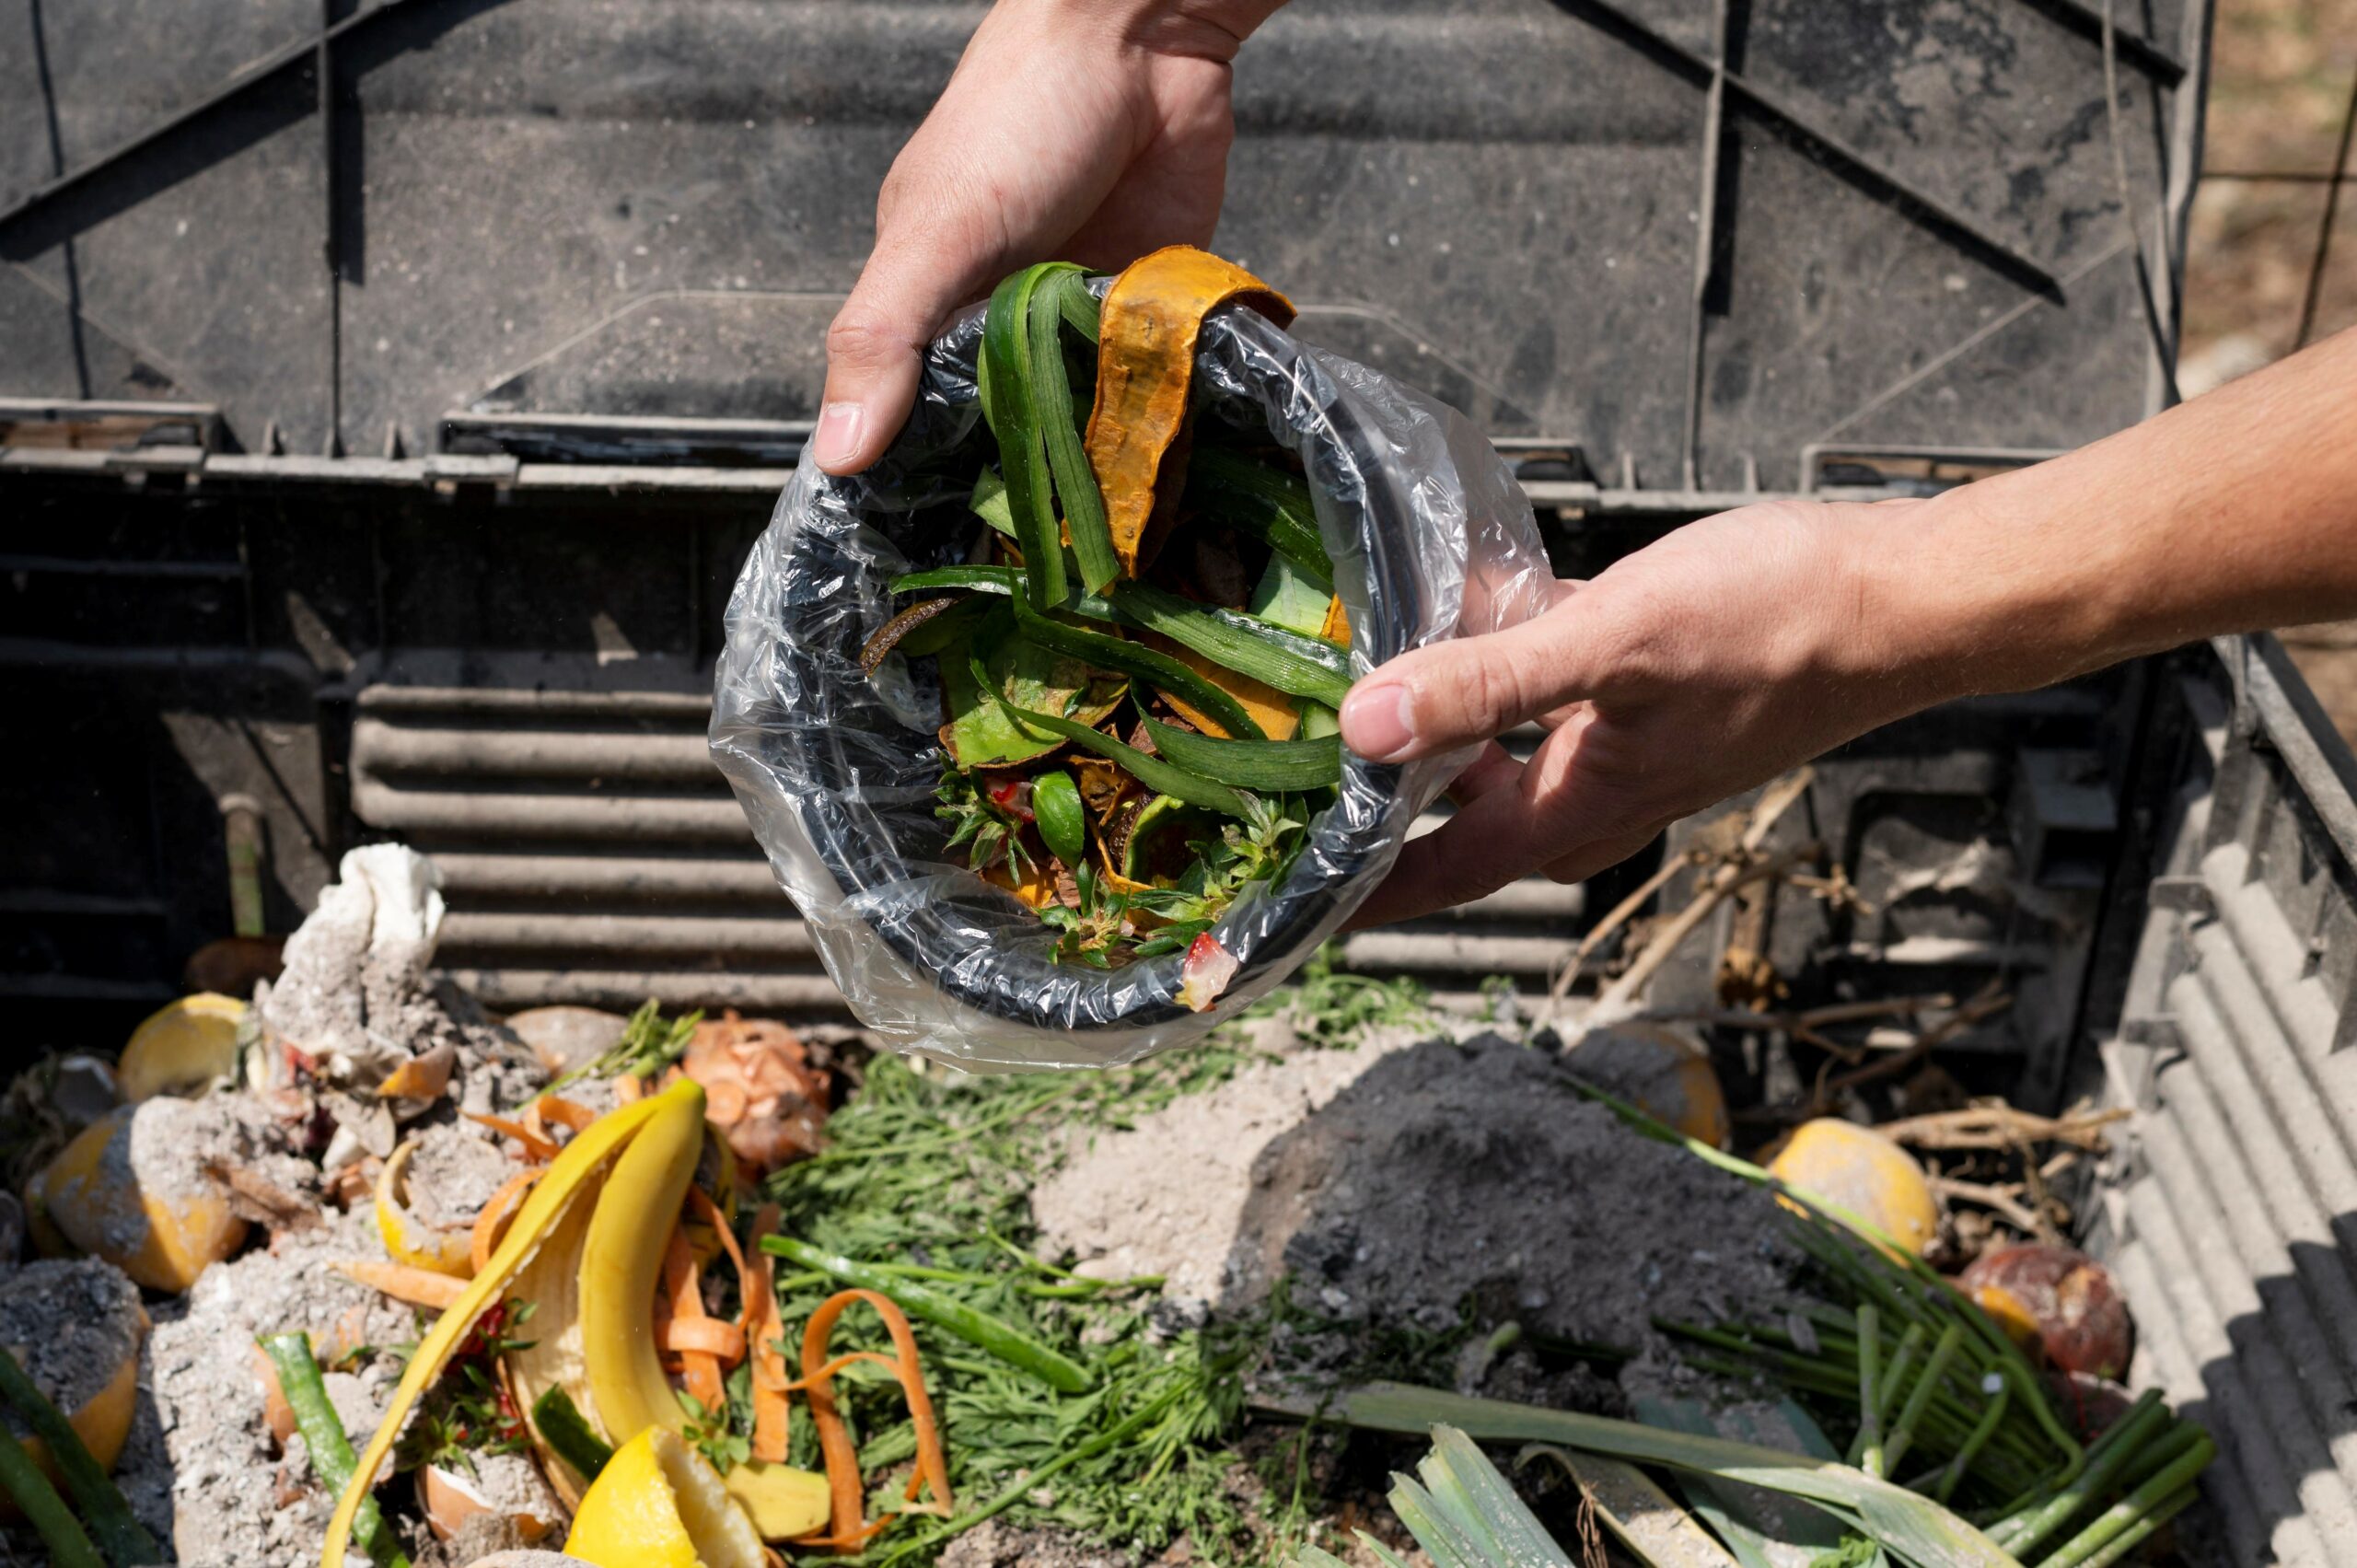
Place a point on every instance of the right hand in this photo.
(1073, 130)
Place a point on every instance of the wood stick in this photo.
(2000, 1198)
(1772, 802)
(1619, 916)
(1725, 882)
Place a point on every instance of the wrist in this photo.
(1978, 591)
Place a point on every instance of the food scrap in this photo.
(1140, 674)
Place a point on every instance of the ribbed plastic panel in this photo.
(592, 853)
(2231, 1213)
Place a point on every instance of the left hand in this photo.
(1697, 668)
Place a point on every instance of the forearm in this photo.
(2233, 511)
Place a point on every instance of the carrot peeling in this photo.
(537, 1146)
(419, 1287)
(706, 1336)
(846, 1497)
(765, 1335)
(683, 1310)
(492, 1223)
(571, 1115)
(848, 1358)
(1146, 363)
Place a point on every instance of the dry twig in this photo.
(1993, 1124)
(1738, 869)
(2003, 1200)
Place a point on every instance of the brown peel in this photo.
(1267, 707)
(1146, 366)
(888, 636)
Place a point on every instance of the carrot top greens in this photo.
(1139, 667)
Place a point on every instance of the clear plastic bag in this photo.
(1431, 539)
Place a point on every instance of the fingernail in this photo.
(837, 436)
(1376, 721)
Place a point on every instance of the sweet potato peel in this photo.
(1145, 367)
(1267, 707)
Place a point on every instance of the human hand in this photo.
(1699, 667)
(1091, 130)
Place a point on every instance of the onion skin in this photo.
(2076, 1310)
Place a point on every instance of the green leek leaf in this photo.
(1913, 1528)
(982, 579)
(1299, 666)
(1013, 411)
(1274, 766)
(1084, 503)
(1163, 778)
(1288, 597)
(1139, 663)
(989, 502)
(1252, 497)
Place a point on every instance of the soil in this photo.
(236, 1500)
(71, 1325)
(455, 1172)
(179, 1146)
(1399, 1177)
(996, 1544)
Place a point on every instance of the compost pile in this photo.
(642, 1286)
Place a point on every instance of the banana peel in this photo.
(587, 1249)
(408, 1239)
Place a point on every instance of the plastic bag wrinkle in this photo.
(1431, 539)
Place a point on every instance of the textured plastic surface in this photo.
(1431, 539)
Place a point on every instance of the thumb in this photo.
(876, 344)
(1472, 688)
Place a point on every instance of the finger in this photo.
(1565, 811)
(876, 345)
(1493, 769)
(1601, 855)
(1454, 693)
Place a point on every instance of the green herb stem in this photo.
(2136, 1534)
(1992, 1414)
(37, 1500)
(1869, 1444)
(979, 1329)
(119, 1531)
(1121, 1432)
(2162, 1488)
(1920, 1399)
(2111, 1454)
(324, 1436)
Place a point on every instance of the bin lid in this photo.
(1692, 239)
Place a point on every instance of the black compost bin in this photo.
(837, 771)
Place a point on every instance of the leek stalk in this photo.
(1163, 778)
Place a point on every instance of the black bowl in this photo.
(837, 772)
